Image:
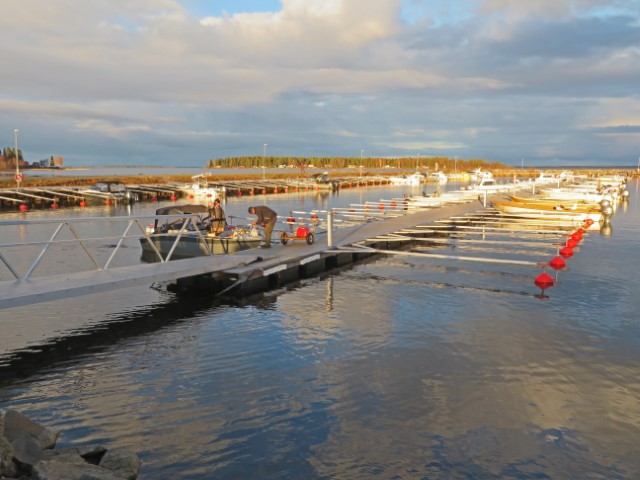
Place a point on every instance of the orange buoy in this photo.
(191, 196)
(589, 222)
(544, 281)
(557, 263)
(393, 204)
(107, 202)
(23, 207)
(381, 206)
(83, 203)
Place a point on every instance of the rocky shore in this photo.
(27, 451)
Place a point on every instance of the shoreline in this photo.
(7, 180)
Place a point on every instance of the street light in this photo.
(15, 136)
(264, 156)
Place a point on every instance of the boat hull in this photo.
(190, 245)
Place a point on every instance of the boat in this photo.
(200, 191)
(479, 175)
(322, 181)
(574, 212)
(439, 177)
(183, 231)
(416, 178)
(115, 192)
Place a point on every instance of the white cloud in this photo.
(489, 76)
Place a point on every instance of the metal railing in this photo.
(135, 228)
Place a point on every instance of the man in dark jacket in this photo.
(267, 218)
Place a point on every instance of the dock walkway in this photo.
(242, 272)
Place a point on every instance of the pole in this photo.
(264, 157)
(330, 228)
(455, 165)
(15, 135)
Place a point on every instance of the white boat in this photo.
(479, 175)
(416, 178)
(541, 210)
(439, 177)
(115, 192)
(182, 231)
(200, 191)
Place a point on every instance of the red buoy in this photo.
(83, 203)
(191, 196)
(23, 207)
(577, 236)
(54, 205)
(393, 204)
(544, 281)
(173, 198)
(107, 202)
(154, 199)
(566, 252)
(291, 220)
(557, 263)
(381, 206)
(589, 222)
(571, 243)
(264, 190)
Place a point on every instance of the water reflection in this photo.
(391, 369)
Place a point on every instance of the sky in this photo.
(534, 83)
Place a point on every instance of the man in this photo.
(267, 218)
(217, 217)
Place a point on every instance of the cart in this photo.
(301, 233)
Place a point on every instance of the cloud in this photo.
(494, 79)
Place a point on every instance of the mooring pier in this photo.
(240, 273)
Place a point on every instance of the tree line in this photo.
(445, 164)
(8, 160)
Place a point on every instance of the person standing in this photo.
(267, 218)
(217, 217)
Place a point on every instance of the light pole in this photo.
(18, 177)
(264, 157)
(455, 165)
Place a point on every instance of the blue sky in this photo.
(178, 82)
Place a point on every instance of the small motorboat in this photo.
(108, 192)
(414, 179)
(439, 177)
(200, 191)
(184, 231)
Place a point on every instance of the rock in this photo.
(17, 425)
(26, 450)
(122, 463)
(7, 467)
(56, 470)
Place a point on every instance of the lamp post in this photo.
(18, 176)
(264, 157)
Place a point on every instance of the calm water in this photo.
(398, 367)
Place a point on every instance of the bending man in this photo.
(267, 218)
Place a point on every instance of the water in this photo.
(397, 367)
